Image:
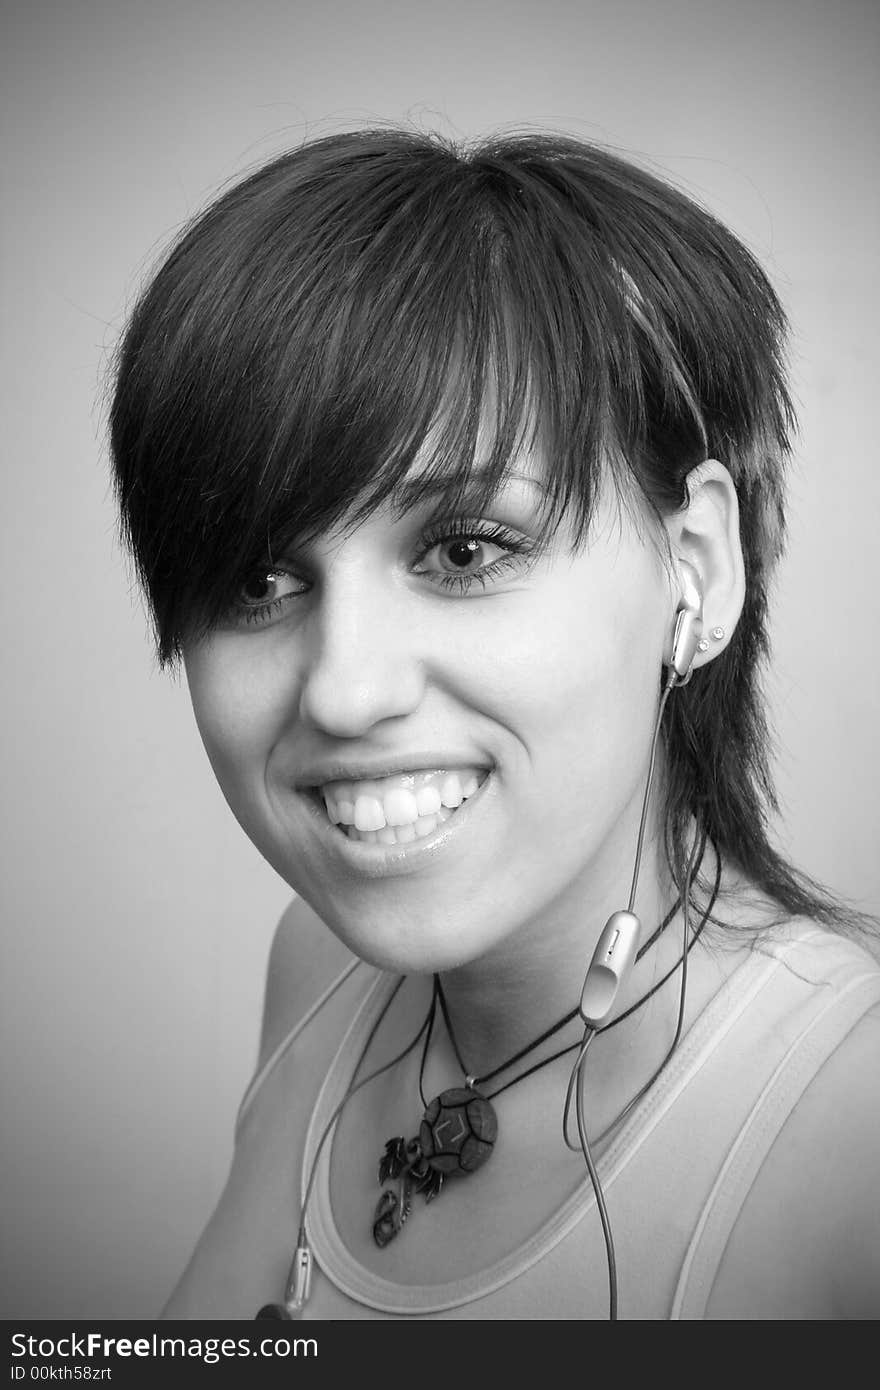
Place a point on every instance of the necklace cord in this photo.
(683, 962)
(299, 1279)
(579, 1068)
(688, 943)
(444, 1009)
(432, 1014)
(371, 1076)
(479, 1081)
(427, 1029)
(303, 1249)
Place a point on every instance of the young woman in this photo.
(455, 478)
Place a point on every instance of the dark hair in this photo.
(360, 299)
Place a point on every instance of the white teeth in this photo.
(451, 793)
(368, 813)
(401, 802)
(402, 808)
(400, 834)
(427, 801)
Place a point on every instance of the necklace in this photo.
(459, 1127)
(299, 1277)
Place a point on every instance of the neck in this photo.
(507, 999)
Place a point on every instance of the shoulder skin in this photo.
(304, 959)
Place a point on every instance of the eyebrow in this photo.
(414, 490)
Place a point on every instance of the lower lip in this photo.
(375, 860)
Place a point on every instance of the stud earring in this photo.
(717, 633)
(702, 645)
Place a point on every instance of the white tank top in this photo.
(674, 1177)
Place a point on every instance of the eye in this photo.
(461, 554)
(263, 593)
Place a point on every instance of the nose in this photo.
(361, 664)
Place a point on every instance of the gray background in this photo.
(136, 917)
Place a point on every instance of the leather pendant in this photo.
(457, 1135)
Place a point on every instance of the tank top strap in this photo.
(855, 981)
(290, 1038)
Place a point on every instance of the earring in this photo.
(702, 645)
(717, 633)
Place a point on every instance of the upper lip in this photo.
(370, 769)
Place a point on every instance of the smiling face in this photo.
(375, 677)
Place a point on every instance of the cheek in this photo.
(239, 707)
(583, 671)
(580, 684)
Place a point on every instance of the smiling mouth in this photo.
(400, 808)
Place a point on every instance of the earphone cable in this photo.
(694, 859)
(477, 1081)
(600, 1196)
(579, 1067)
(302, 1258)
(371, 1076)
(668, 688)
(427, 1029)
(682, 992)
(474, 1081)
(605, 1027)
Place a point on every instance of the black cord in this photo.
(427, 1028)
(432, 1012)
(597, 1188)
(476, 1081)
(574, 1081)
(371, 1076)
(682, 993)
(670, 683)
(575, 1086)
(681, 962)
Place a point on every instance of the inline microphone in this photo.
(612, 961)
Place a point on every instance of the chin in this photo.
(404, 946)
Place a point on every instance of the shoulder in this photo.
(304, 960)
(825, 968)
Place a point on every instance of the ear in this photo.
(705, 532)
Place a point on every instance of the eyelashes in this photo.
(256, 610)
(456, 557)
(465, 540)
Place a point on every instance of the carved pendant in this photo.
(457, 1135)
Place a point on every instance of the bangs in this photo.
(377, 312)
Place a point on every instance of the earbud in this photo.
(688, 624)
(617, 947)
